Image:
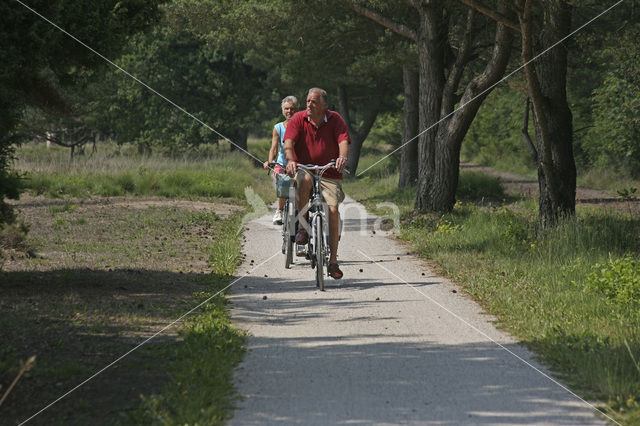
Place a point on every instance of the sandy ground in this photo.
(390, 343)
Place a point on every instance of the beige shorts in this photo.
(331, 190)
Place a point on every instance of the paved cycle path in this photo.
(390, 343)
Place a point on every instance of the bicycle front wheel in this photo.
(285, 214)
(319, 253)
(288, 234)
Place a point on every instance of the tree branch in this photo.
(525, 131)
(394, 26)
(496, 16)
(457, 69)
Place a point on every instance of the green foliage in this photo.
(615, 137)
(628, 194)
(275, 35)
(10, 186)
(618, 279)
(495, 135)
(387, 130)
(215, 86)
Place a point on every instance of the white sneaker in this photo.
(277, 217)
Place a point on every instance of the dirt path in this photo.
(521, 186)
(388, 344)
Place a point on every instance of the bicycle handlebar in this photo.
(272, 165)
(312, 167)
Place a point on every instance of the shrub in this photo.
(618, 279)
(475, 186)
(126, 182)
(13, 236)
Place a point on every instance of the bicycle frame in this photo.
(318, 242)
(287, 222)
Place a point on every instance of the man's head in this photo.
(316, 103)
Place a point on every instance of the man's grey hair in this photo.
(319, 91)
(290, 100)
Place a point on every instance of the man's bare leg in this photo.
(334, 233)
(304, 183)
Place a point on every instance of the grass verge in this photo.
(569, 295)
(200, 391)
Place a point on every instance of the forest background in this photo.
(228, 64)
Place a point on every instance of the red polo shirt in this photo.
(318, 145)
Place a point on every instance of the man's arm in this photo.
(290, 156)
(343, 149)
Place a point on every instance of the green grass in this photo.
(112, 173)
(201, 390)
(607, 180)
(539, 286)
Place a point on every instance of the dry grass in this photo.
(106, 274)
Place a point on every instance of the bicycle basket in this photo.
(282, 185)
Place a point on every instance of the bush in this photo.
(618, 279)
(475, 186)
(13, 236)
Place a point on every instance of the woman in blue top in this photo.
(289, 107)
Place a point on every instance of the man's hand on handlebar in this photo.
(341, 163)
(291, 168)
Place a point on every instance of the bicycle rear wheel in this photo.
(319, 253)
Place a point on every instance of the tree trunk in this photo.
(354, 153)
(546, 78)
(239, 139)
(408, 175)
(440, 154)
(452, 130)
(431, 44)
(357, 135)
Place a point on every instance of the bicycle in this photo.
(288, 214)
(318, 247)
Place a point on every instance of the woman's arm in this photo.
(275, 138)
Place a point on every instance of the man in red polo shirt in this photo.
(317, 136)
